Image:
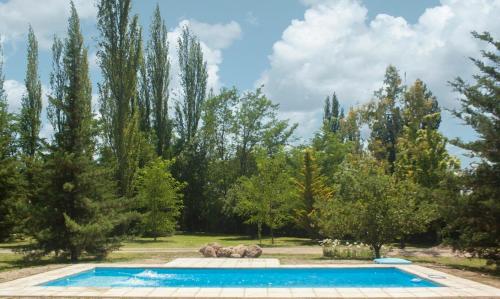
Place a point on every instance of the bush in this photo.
(337, 249)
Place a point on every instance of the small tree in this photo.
(264, 199)
(159, 198)
(372, 206)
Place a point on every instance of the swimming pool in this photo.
(244, 278)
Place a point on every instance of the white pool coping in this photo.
(452, 286)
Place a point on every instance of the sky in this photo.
(299, 50)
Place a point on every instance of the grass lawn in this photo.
(185, 240)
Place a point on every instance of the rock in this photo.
(224, 252)
(253, 251)
(235, 255)
(239, 250)
(208, 251)
(215, 245)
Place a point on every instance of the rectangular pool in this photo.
(244, 278)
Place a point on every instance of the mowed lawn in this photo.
(195, 240)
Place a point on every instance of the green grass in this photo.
(184, 240)
(462, 263)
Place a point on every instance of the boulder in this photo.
(239, 250)
(216, 250)
(253, 251)
(208, 251)
(224, 252)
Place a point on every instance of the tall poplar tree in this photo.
(158, 70)
(119, 57)
(76, 214)
(192, 163)
(193, 78)
(31, 102)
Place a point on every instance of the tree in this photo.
(384, 118)
(310, 187)
(473, 221)
(421, 153)
(159, 198)
(11, 180)
(158, 70)
(31, 102)
(264, 198)
(193, 80)
(332, 115)
(119, 57)
(372, 206)
(77, 212)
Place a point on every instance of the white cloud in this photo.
(336, 48)
(48, 17)
(213, 39)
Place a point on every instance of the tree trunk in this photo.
(272, 236)
(73, 255)
(402, 242)
(259, 232)
(376, 250)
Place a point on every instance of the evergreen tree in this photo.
(11, 181)
(310, 188)
(158, 67)
(159, 199)
(77, 214)
(119, 57)
(31, 102)
(474, 218)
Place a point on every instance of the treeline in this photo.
(224, 162)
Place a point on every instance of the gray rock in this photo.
(253, 251)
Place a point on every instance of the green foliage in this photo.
(159, 198)
(333, 115)
(120, 57)
(473, 223)
(371, 206)
(158, 72)
(264, 198)
(310, 187)
(11, 181)
(77, 211)
(31, 102)
(384, 118)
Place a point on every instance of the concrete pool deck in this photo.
(453, 287)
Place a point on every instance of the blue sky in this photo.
(301, 50)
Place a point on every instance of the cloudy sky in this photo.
(300, 50)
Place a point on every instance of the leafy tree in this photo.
(310, 187)
(193, 79)
(385, 119)
(473, 221)
(159, 198)
(264, 198)
(119, 57)
(77, 212)
(158, 70)
(371, 206)
(422, 154)
(11, 181)
(31, 102)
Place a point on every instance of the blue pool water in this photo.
(247, 278)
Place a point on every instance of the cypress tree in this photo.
(77, 214)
